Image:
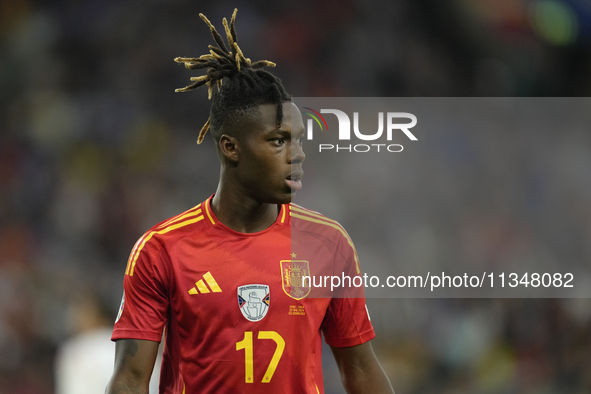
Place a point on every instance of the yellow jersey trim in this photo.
(327, 222)
(283, 213)
(189, 213)
(207, 209)
(163, 231)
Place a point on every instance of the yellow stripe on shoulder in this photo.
(315, 217)
(298, 208)
(180, 218)
(319, 216)
(207, 209)
(163, 231)
(133, 252)
(183, 215)
(190, 212)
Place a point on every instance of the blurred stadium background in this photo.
(95, 148)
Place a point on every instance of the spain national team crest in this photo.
(292, 278)
(253, 301)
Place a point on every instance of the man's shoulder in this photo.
(328, 231)
(189, 222)
(314, 222)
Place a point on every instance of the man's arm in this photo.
(134, 362)
(360, 370)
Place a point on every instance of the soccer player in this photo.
(224, 280)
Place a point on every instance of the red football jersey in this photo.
(239, 317)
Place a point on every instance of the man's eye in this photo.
(279, 141)
(301, 141)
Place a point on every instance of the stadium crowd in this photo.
(95, 148)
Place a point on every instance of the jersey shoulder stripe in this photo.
(193, 211)
(308, 215)
(186, 218)
(299, 212)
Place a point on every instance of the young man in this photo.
(224, 279)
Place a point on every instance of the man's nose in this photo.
(297, 153)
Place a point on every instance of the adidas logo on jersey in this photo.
(201, 286)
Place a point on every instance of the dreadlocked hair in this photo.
(241, 84)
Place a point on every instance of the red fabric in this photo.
(203, 328)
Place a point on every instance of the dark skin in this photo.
(256, 160)
(360, 370)
(134, 362)
(259, 164)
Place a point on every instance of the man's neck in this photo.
(242, 213)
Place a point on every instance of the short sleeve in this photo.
(346, 322)
(144, 307)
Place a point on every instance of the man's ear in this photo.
(229, 147)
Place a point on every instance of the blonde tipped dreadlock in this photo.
(248, 84)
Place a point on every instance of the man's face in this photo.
(270, 158)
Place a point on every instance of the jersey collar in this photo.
(282, 218)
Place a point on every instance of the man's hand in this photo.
(134, 362)
(360, 370)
